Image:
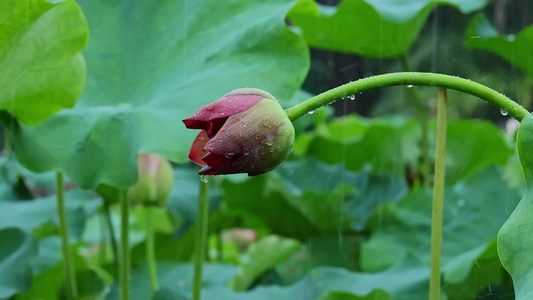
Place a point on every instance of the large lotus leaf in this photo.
(391, 145)
(379, 145)
(11, 180)
(480, 34)
(384, 28)
(472, 146)
(149, 66)
(49, 273)
(176, 277)
(42, 69)
(329, 195)
(260, 197)
(402, 282)
(515, 242)
(47, 285)
(17, 249)
(305, 197)
(264, 254)
(333, 250)
(35, 215)
(487, 279)
(474, 210)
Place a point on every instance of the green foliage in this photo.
(40, 216)
(43, 70)
(345, 217)
(16, 251)
(486, 275)
(151, 66)
(381, 29)
(482, 201)
(345, 195)
(481, 34)
(263, 255)
(515, 244)
(472, 146)
(379, 145)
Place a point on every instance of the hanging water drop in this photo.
(311, 112)
(504, 112)
(203, 178)
(352, 97)
(409, 86)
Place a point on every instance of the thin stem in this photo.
(103, 240)
(67, 254)
(150, 249)
(201, 236)
(406, 78)
(438, 198)
(107, 215)
(220, 246)
(422, 114)
(124, 263)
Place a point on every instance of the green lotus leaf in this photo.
(480, 34)
(152, 65)
(42, 69)
(382, 29)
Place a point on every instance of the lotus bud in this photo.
(246, 131)
(155, 182)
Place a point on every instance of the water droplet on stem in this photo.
(204, 179)
(504, 112)
(311, 112)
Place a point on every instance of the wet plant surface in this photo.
(348, 171)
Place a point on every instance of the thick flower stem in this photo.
(422, 115)
(409, 78)
(67, 254)
(438, 198)
(150, 248)
(201, 237)
(124, 263)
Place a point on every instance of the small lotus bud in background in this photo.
(246, 131)
(156, 179)
(511, 125)
(240, 236)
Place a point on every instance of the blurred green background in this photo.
(347, 216)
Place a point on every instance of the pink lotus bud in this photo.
(240, 236)
(156, 179)
(246, 131)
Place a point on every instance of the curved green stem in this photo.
(124, 263)
(201, 237)
(150, 248)
(438, 198)
(409, 78)
(67, 254)
(422, 114)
